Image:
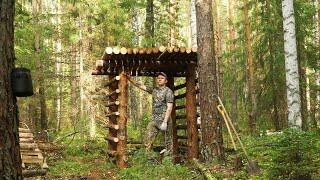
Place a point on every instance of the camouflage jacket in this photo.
(160, 98)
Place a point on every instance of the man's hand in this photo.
(163, 126)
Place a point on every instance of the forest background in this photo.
(60, 41)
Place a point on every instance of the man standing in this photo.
(162, 104)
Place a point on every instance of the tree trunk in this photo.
(232, 39)
(149, 24)
(218, 45)
(193, 23)
(73, 82)
(210, 124)
(81, 55)
(57, 49)
(251, 88)
(173, 9)
(302, 82)
(291, 63)
(317, 76)
(276, 118)
(10, 160)
(191, 113)
(36, 11)
(122, 121)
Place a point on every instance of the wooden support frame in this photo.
(113, 120)
(112, 126)
(175, 62)
(113, 114)
(122, 132)
(115, 103)
(116, 91)
(191, 113)
(175, 150)
(115, 79)
(112, 139)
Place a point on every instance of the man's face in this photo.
(161, 80)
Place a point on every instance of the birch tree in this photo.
(193, 24)
(291, 65)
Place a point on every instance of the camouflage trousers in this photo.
(152, 132)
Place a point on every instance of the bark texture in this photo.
(232, 39)
(291, 64)
(251, 88)
(191, 113)
(210, 124)
(10, 160)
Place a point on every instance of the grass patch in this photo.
(144, 165)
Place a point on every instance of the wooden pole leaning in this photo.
(191, 113)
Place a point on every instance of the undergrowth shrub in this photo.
(293, 155)
(145, 165)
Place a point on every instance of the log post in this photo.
(191, 113)
(175, 152)
(122, 132)
(112, 146)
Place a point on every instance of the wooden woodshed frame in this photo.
(175, 62)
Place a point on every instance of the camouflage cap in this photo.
(162, 74)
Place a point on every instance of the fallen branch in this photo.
(65, 136)
(202, 169)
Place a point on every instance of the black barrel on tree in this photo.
(21, 82)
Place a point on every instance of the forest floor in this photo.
(86, 159)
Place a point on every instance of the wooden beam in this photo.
(25, 135)
(108, 50)
(180, 86)
(113, 114)
(115, 103)
(112, 139)
(162, 49)
(180, 96)
(191, 113)
(112, 126)
(116, 50)
(123, 51)
(122, 121)
(115, 79)
(181, 116)
(117, 91)
(23, 130)
(180, 107)
(182, 49)
(28, 146)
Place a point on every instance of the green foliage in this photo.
(294, 155)
(145, 165)
(79, 158)
(291, 155)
